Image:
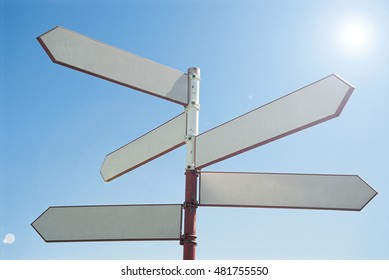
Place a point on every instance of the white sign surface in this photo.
(155, 143)
(110, 223)
(79, 52)
(334, 192)
(311, 105)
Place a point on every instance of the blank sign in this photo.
(336, 192)
(79, 52)
(110, 223)
(311, 105)
(155, 143)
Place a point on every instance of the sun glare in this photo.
(355, 35)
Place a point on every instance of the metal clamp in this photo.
(194, 203)
(188, 239)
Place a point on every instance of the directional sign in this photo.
(110, 223)
(76, 51)
(333, 192)
(306, 107)
(311, 105)
(157, 142)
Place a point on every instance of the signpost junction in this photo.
(315, 103)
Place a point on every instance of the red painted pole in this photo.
(190, 207)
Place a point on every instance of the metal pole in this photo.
(191, 203)
(190, 207)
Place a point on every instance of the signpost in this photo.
(110, 223)
(81, 53)
(308, 106)
(157, 142)
(303, 191)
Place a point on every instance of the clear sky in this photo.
(58, 124)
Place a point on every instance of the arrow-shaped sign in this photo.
(304, 191)
(311, 105)
(155, 143)
(79, 52)
(110, 223)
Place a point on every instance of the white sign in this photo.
(110, 223)
(79, 52)
(333, 192)
(311, 105)
(155, 143)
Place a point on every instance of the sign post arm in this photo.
(191, 203)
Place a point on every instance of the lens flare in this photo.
(9, 238)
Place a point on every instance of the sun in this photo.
(355, 35)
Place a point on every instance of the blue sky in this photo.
(58, 124)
